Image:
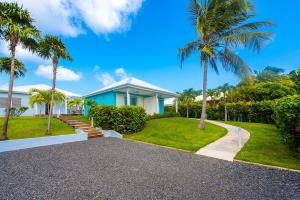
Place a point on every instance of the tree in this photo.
(187, 98)
(77, 102)
(19, 69)
(88, 104)
(212, 93)
(222, 25)
(16, 27)
(225, 89)
(45, 96)
(269, 74)
(52, 47)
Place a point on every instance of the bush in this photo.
(129, 119)
(165, 115)
(287, 118)
(103, 116)
(17, 111)
(124, 119)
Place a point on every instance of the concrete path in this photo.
(226, 147)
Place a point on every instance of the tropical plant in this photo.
(269, 74)
(16, 28)
(19, 69)
(187, 99)
(221, 26)
(45, 97)
(224, 89)
(52, 47)
(212, 93)
(17, 111)
(76, 102)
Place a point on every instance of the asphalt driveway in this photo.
(118, 169)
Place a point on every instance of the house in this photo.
(21, 95)
(132, 91)
(171, 101)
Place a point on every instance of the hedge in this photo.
(287, 118)
(124, 119)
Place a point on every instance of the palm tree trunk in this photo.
(225, 107)
(203, 113)
(187, 112)
(10, 89)
(50, 112)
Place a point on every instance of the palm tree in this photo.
(16, 28)
(45, 96)
(77, 102)
(187, 98)
(212, 94)
(222, 25)
(19, 69)
(225, 89)
(52, 47)
(88, 104)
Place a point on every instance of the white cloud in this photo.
(68, 17)
(120, 72)
(96, 68)
(105, 79)
(22, 53)
(63, 74)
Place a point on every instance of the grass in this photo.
(180, 133)
(79, 118)
(30, 127)
(265, 146)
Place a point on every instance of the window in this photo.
(16, 102)
(133, 101)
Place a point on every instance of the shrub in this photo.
(287, 118)
(129, 119)
(165, 115)
(17, 111)
(124, 119)
(103, 116)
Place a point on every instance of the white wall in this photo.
(120, 99)
(140, 101)
(150, 105)
(24, 102)
(36, 109)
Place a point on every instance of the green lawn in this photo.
(180, 133)
(30, 127)
(79, 118)
(265, 146)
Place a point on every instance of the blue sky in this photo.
(139, 38)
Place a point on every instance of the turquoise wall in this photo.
(161, 106)
(108, 98)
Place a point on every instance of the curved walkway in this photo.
(226, 147)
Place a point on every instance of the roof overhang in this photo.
(130, 87)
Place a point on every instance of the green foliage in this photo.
(19, 70)
(287, 117)
(165, 115)
(251, 111)
(103, 116)
(17, 111)
(124, 119)
(129, 119)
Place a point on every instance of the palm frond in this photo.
(187, 50)
(232, 62)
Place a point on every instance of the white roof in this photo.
(27, 88)
(170, 101)
(132, 82)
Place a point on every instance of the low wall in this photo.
(11, 145)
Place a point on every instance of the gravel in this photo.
(108, 168)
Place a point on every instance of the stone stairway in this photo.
(92, 132)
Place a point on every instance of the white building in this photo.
(21, 95)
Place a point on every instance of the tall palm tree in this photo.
(222, 25)
(225, 89)
(45, 96)
(19, 69)
(16, 27)
(52, 47)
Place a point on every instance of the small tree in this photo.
(77, 102)
(45, 96)
(225, 89)
(187, 99)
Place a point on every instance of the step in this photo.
(94, 136)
